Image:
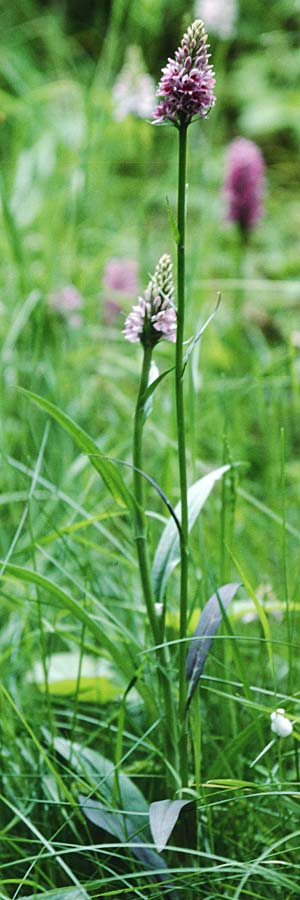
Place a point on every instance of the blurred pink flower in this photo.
(244, 183)
(120, 280)
(67, 303)
(121, 275)
(186, 88)
(154, 316)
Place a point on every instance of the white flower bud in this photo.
(280, 725)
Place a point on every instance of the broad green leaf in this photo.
(106, 468)
(167, 555)
(98, 682)
(208, 624)
(18, 573)
(163, 817)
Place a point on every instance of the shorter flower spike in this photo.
(153, 317)
(244, 183)
(187, 85)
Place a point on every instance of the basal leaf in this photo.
(209, 622)
(125, 828)
(167, 554)
(106, 468)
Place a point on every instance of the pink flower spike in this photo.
(154, 316)
(244, 183)
(186, 89)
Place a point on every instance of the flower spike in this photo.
(187, 85)
(154, 316)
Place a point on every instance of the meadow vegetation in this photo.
(88, 199)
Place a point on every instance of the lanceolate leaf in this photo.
(208, 624)
(125, 828)
(163, 818)
(106, 468)
(167, 554)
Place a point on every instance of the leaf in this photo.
(62, 893)
(163, 818)
(154, 384)
(199, 334)
(167, 555)
(208, 624)
(18, 573)
(100, 773)
(105, 467)
(124, 828)
(93, 680)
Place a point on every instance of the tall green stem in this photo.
(171, 739)
(140, 520)
(181, 209)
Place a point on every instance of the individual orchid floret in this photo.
(244, 183)
(280, 724)
(219, 16)
(153, 317)
(187, 85)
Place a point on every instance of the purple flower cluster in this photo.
(186, 88)
(153, 317)
(244, 183)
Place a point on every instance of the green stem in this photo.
(138, 480)
(181, 444)
(171, 742)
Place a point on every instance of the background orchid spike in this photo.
(244, 183)
(219, 16)
(154, 315)
(187, 85)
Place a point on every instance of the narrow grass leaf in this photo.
(208, 624)
(105, 467)
(163, 817)
(167, 555)
(18, 573)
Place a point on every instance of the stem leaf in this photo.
(199, 334)
(208, 624)
(105, 467)
(167, 555)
